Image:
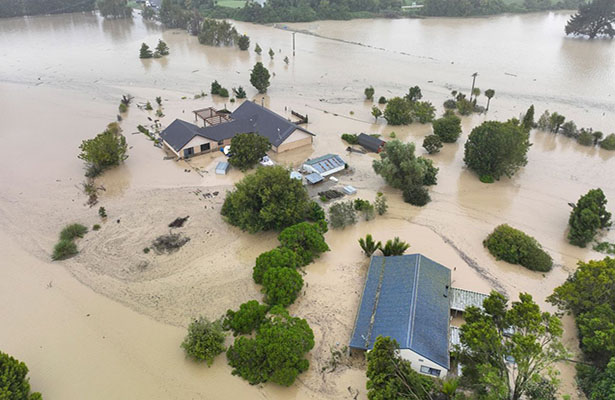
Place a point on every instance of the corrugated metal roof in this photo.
(314, 178)
(370, 143)
(405, 297)
(222, 167)
(461, 299)
(326, 163)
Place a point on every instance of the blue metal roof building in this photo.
(406, 298)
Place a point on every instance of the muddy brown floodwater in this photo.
(109, 321)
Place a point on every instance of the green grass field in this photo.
(231, 3)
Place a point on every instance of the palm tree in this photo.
(368, 245)
(449, 387)
(489, 93)
(475, 93)
(474, 75)
(394, 247)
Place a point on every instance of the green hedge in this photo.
(512, 245)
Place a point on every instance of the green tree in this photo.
(105, 150)
(277, 352)
(316, 212)
(489, 93)
(513, 246)
(276, 258)
(391, 377)
(65, 248)
(416, 195)
(376, 113)
(394, 247)
(369, 93)
(401, 169)
(382, 100)
(432, 144)
(148, 13)
(475, 93)
(593, 19)
(587, 294)
(423, 111)
(604, 387)
(159, 101)
(306, 240)
(414, 94)
(449, 388)
(398, 112)
(585, 138)
(205, 340)
(161, 48)
(114, 9)
(259, 77)
(496, 149)
(14, 385)
(380, 204)
(528, 119)
(271, 53)
(145, 51)
(342, 214)
(265, 200)
(212, 32)
(588, 216)
(257, 49)
(247, 150)
(447, 128)
(609, 142)
(465, 106)
(73, 231)
(569, 129)
(368, 245)
(243, 42)
(534, 345)
(245, 320)
(281, 286)
(556, 121)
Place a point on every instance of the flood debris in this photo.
(179, 222)
(331, 194)
(169, 243)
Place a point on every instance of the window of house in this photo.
(221, 142)
(430, 371)
(188, 152)
(204, 147)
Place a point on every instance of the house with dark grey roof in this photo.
(371, 143)
(185, 139)
(407, 298)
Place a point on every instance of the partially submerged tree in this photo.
(368, 245)
(369, 93)
(496, 338)
(342, 214)
(414, 94)
(14, 384)
(280, 257)
(447, 128)
(145, 51)
(423, 111)
(257, 49)
(161, 49)
(271, 53)
(277, 352)
(240, 93)
(513, 246)
(432, 144)
(497, 149)
(245, 320)
(398, 112)
(394, 247)
(306, 240)
(528, 119)
(265, 200)
(114, 8)
(259, 77)
(588, 216)
(205, 340)
(489, 93)
(281, 286)
(243, 42)
(105, 150)
(376, 113)
(593, 19)
(247, 150)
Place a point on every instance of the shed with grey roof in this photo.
(371, 143)
(407, 298)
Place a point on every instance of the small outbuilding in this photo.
(324, 165)
(407, 298)
(222, 168)
(371, 143)
(314, 178)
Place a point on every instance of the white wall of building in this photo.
(419, 361)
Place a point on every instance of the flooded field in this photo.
(115, 321)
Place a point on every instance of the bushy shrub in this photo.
(276, 258)
(369, 93)
(514, 246)
(315, 212)
(608, 143)
(382, 100)
(249, 317)
(585, 138)
(398, 112)
(73, 231)
(342, 214)
(350, 138)
(587, 217)
(64, 249)
(450, 104)
(205, 340)
(96, 227)
(381, 204)
(416, 195)
(105, 150)
(423, 111)
(447, 128)
(306, 240)
(281, 286)
(14, 383)
(432, 144)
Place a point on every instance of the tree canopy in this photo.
(277, 352)
(105, 150)
(281, 286)
(398, 112)
(447, 128)
(14, 384)
(249, 317)
(114, 8)
(402, 169)
(259, 77)
(280, 257)
(391, 377)
(587, 217)
(593, 19)
(306, 240)
(513, 246)
(205, 340)
(247, 149)
(265, 200)
(497, 148)
(217, 33)
(497, 335)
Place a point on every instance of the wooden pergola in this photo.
(211, 116)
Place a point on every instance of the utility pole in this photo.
(474, 75)
(294, 43)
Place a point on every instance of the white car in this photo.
(266, 161)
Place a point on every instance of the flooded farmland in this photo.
(100, 320)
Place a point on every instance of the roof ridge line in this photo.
(410, 335)
(376, 300)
